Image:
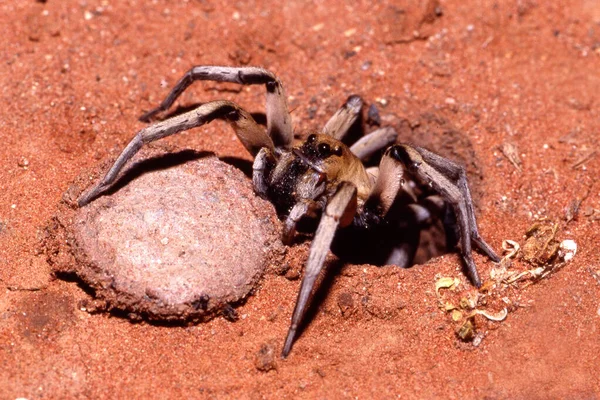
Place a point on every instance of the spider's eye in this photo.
(337, 150)
(311, 138)
(324, 150)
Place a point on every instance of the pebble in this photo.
(161, 246)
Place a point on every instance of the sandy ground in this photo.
(515, 80)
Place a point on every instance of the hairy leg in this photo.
(373, 142)
(252, 136)
(457, 174)
(339, 212)
(279, 121)
(390, 180)
(391, 198)
(403, 254)
(339, 124)
(450, 181)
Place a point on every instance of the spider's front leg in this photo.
(279, 121)
(343, 119)
(339, 124)
(339, 213)
(252, 136)
(450, 181)
(377, 140)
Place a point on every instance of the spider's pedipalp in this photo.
(252, 136)
(279, 121)
(261, 167)
(339, 124)
(305, 208)
(339, 211)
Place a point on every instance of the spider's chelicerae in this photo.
(321, 178)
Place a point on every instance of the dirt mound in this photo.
(181, 237)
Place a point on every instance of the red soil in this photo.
(76, 76)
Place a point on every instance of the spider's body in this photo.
(312, 171)
(323, 179)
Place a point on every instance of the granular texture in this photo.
(174, 243)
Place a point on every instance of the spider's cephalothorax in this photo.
(323, 178)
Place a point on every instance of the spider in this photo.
(324, 181)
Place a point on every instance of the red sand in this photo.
(78, 74)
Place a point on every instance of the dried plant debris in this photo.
(445, 283)
(265, 359)
(497, 317)
(544, 251)
(472, 311)
(510, 247)
(511, 152)
(541, 245)
(567, 249)
(572, 210)
(580, 163)
(592, 213)
(468, 308)
(466, 332)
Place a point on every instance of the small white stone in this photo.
(567, 249)
(23, 162)
(350, 32)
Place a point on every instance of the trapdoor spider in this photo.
(323, 179)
